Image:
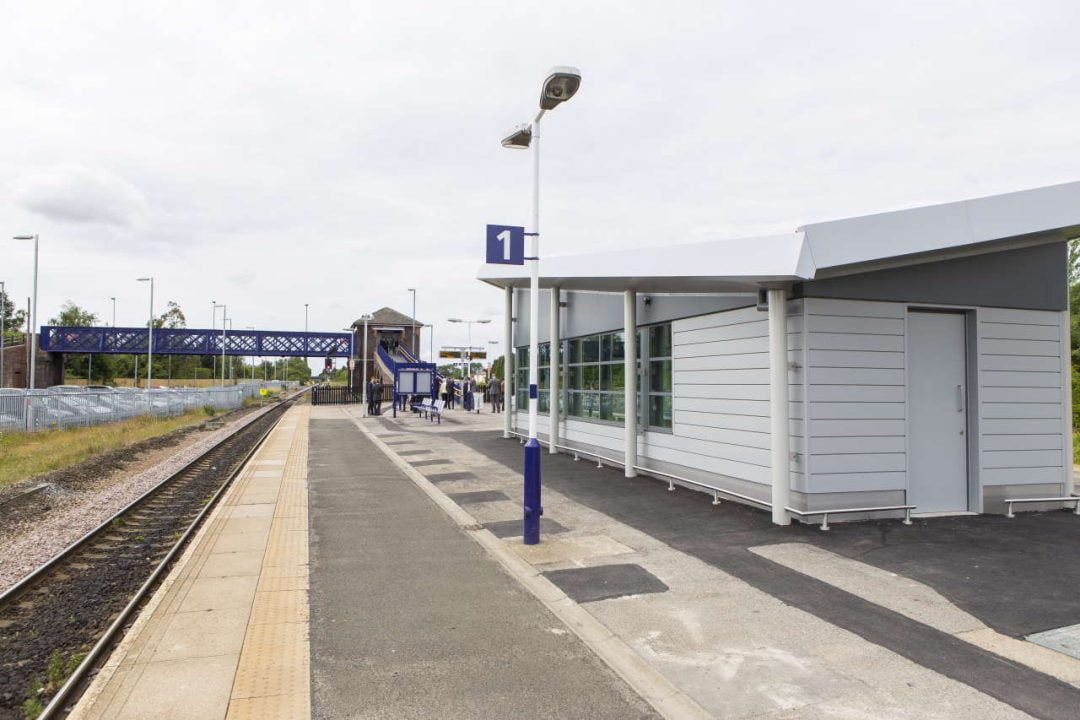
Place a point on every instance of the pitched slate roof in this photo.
(389, 316)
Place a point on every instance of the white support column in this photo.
(508, 356)
(779, 435)
(630, 365)
(553, 372)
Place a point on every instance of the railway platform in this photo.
(373, 568)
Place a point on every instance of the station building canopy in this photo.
(818, 250)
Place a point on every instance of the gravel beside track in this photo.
(32, 539)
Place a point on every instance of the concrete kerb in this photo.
(649, 683)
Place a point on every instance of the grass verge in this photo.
(23, 455)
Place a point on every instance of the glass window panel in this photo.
(523, 357)
(590, 405)
(545, 354)
(575, 350)
(660, 341)
(590, 376)
(523, 399)
(660, 411)
(612, 407)
(544, 402)
(660, 376)
(605, 348)
(618, 346)
(590, 349)
(612, 376)
(575, 378)
(576, 404)
(545, 377)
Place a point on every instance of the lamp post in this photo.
(252, 328)
(415, 351)
(213, 324)
(232, 377)
(33, 314)
(363, 365)
(3, 312)
(352, 351)
(468, 347)
(224, 311)
(149, 334)
(561, 85)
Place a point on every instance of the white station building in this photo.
(911, 358)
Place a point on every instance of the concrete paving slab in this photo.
(188, 689)
(204, 633)
(220, 593)
(1065, 640)
(568, 549)
(232, 564)
(513, 528)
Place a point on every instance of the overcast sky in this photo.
(340, 153)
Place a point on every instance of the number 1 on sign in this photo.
(504, 237)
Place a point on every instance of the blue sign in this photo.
(505, 245)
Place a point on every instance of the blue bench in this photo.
(431, 409)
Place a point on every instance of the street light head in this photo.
(483, 322)
(560, 86)
(454, 320)
(143, 279)
(23, 237)
(518, 138)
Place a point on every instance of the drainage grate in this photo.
(512, 528)
(478, 496)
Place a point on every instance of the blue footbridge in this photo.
(191, 341)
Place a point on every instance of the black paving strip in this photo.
(945, 555)
(425, 463)
(446, 477)
(512, 528)
(399, 442)
(407, 453)
(604, 582)
(478, 496)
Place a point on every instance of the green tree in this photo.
(14, 318)
(497, 367)
(72, 315)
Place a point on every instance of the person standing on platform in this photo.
(371, 395)
(443, 389)
(378, 394)
(496, 392)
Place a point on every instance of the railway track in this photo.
(61, 620)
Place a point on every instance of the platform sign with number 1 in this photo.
(505, 245)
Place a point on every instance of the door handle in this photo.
(959, 398)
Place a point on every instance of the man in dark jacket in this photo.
(495, 392)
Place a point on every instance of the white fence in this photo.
(72, 406)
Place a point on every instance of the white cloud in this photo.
(81, 194)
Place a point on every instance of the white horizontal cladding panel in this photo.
(1027, 348)
(1049, 441)
(858, 463)
(853, 341)
(758, 408)
(719, 450)
(1019, 363)
(1021, 476)
(1015, 331)
(853, 324)
(1014, 379)
(853, 359)
(858, 376)
(1018, 317)
(717, 319)
(856, 411)
(995, 459)
(857, 482)
(1019, 427)
(991, 394)
(749, 438)
(683, 375)
(721, 348)
(609, 431)
(857, 393)
(856, 428)
(859, 444)
(756, 328)
(1020, 411)
(731, 392)
(745, 423)
(854, 308)
(720, 466)
(740, 361)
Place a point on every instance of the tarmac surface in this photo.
(411, 619)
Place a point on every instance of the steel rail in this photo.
(110, 634)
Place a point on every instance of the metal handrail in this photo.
(672, 478)
(838, 511)
(1064, 499)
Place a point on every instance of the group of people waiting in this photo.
(471, 393)
(374, 395)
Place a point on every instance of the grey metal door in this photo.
(937, 407)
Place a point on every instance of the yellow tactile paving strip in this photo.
(226, 636)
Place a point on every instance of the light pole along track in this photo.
(75, 607)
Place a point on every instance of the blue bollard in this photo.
(533, 509)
